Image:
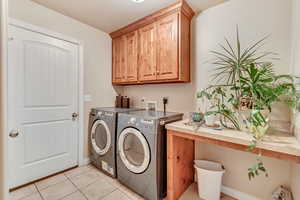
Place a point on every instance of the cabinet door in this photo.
(131, 56)
(148, 50)
(119, 64)
(167, 35)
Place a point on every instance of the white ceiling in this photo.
(110, 15)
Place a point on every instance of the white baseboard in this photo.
(85, 161)
(237, 194)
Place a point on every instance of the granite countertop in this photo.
(276, 141)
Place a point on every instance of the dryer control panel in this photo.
(146, 121)
(147, 124)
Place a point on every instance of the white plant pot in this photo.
(210, 120)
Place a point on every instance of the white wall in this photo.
(97, 50)
(295, 66)
(256, 19)
(295, 58)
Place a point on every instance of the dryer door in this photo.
(134, 150)
(100, 137)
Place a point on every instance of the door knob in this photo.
(14, 133)
(74, 116)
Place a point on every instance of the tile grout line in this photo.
(78, 190)
(120, 190)
(105, 179)
(64, 173)
(115, 187)
(129, 198)
(67, 179)
(62, 182)
(98, 176)
(39, 191)
(108, 182)
(28, 194)
(109, 193)
(138, 196)
(49, 185)
(83, 186)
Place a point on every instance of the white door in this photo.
(43, 94)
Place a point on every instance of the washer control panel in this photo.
(147, 124)
(99, 114)
(108, 114)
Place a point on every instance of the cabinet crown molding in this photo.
(178, 7)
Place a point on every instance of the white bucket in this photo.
(209, 176)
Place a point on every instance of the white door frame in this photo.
(3, 73)
(33, 28)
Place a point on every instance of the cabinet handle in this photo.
(158, 72)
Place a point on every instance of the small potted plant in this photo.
(244, 90)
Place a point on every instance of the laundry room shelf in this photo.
(277, 144)
(181, 140)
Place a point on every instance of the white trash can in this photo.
(209, 178)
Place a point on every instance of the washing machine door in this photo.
(100, 137)
(134, 150)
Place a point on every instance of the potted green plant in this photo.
(244, 90)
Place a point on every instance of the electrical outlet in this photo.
(165, 100)
(143, 102)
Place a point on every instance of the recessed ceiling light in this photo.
(138, 1)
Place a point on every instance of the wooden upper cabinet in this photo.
(147, 53)
(131, 57)
(119, 64)
(167, 48)
(155, 49)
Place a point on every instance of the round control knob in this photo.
(99, 114)
(132, 120)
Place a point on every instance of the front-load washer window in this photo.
(134, 150)
(100, 137)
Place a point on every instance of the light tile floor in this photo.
(83, 183)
